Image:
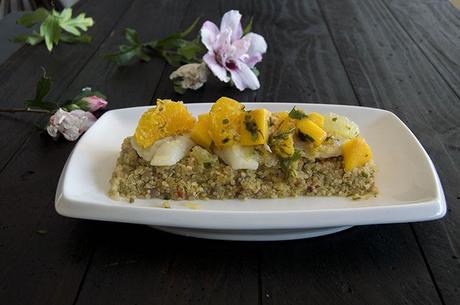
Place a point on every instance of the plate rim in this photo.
(434, 208)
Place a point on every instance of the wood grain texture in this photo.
(329, 51)
(371, 42)
(171, 269)
(433, 27)
(19, 75)
(301, 64)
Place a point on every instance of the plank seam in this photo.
(41, 117)
(430, 272)
(420, 48)
(85, 274)
(337, 51)
(164, 64)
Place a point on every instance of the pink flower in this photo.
(95, 103)
(70, 124)
(228, 51)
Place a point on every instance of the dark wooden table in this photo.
(399, 55)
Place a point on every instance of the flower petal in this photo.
(209, 32)
(215, 67)
(258, 44)
(240, 48)
(244, 78)
(232, 20)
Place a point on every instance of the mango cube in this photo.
(254, 127)
(356, 153)
(225, 119)
(200, 132)
(310, 131)
(282, 139)
(316, 118)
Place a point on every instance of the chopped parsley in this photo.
(297, 114)
(252, 127)
(225, 121)
(334, 119)
(306, 138)
(288, 164)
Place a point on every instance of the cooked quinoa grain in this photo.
(201, 175)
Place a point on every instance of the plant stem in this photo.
(24, 110)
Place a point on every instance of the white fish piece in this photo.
(172, 150)
(238, 157)
(165, 152)
(146, 153)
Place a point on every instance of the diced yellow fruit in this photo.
(311, 131)
(225, 117)
(316, 118)
(356, 153)
(254, 127)
(285, 149)
(282, 139)
(275, 120)
(200, 132)
(168, 118)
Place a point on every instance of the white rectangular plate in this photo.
(407, 180)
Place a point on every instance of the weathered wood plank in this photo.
(388, 69)
(19, 74)
(434, 27)
(363, 265)
(171, 269)
(352, 267)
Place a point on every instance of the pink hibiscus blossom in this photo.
(230, 51)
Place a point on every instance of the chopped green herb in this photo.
(334, 119)
(306, 138)
(207, 165)
(297, 114)
(288, 164)
(225, 121)
(252, 127)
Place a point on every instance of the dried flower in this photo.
(229, 52)
(70, 124)
(189, 76)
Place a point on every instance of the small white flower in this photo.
(70, 124)
(190, 76)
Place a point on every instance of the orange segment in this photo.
(225, 116)
(168, 118)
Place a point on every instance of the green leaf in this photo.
(69, 38)
(85, 92)
(190, 28)
(30, 19)
(190, 49)
(132, 36)
(248, 26)
(42, 89)
(31, 39)
(297, 114)
(172, 58)
(51, 31)
(178, 88)
(127, 53)
(72, 25)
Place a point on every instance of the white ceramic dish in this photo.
(409, 186)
